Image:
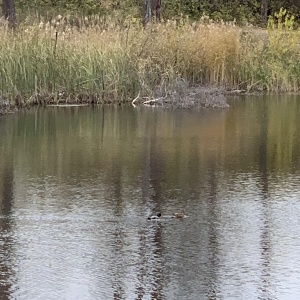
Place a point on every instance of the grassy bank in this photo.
(96, 61)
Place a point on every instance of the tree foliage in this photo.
(243, 11)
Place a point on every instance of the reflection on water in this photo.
(77, 185)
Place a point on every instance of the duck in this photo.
(155, 217)
(179, 215)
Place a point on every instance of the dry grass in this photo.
(98, 61)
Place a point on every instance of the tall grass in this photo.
(96, 61)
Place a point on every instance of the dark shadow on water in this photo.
(152, 170)
(213, 235)
(150, 272)
(266, 247)
(6, 249)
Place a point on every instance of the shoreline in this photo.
(196, 97)
(181, 97)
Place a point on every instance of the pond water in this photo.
(77, 186)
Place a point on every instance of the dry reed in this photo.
(99, 61)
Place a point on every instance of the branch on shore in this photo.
(152, 102)
(135, 99)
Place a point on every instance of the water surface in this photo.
(77, 185)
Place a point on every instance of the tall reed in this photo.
(99, 61)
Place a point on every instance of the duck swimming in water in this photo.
(179, 215)
(156, 217)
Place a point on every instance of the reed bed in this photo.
(102, 62)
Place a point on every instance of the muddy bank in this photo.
(184, 96)
(205, 97)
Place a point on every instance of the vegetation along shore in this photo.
(96, 60)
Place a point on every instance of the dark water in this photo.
(77, 185)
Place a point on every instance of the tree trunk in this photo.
(9, 12)
(151, 9)
(264, 10)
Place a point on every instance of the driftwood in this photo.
(68, 105)
(154, 102)
(136, 101)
